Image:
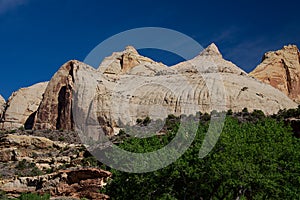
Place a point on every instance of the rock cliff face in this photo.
(22, 106)
(281, 69)
(2, 106)
(55, 110)
(128, 86)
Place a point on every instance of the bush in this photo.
(30, 196)
(36, 171)
(90, 161)
(139, 121)
(245, 110)
(229, 112)
(146, 121)
(24, 165)
(61, 138)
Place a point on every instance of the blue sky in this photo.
(37, 37)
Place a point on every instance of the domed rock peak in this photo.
(123, 62)
(210, 60)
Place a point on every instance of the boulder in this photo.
(281, 69)
(22, 106)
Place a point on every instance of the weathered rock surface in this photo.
(55, 110)
(2, 106)
(210, 60)
(44, 153)
(128, 86)
(281, 69)
(22, 105)
(23, 157)
(75, 183)
(129, 62)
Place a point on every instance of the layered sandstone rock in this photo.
(281, 69)
(210, 60)
(28, 155)
(55, 110)
(129, 61)
(128, 86)
(22, 106)
(75, 183)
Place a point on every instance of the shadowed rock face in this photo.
(128, 86)
(2, 106)
(281, 69)
(55, 110)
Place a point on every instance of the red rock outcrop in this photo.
(55, 110)
(281, 69)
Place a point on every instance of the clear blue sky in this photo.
(38, 36)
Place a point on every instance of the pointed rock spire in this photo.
(211, 50)
(131, 49)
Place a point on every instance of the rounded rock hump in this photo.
(131, 62)
(22, 106)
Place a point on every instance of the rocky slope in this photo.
(128, 86)
(281, 69)
(40, 165)
(22, 106)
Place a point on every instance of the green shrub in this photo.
(36, 171)
(31, 196)
(90, 161)
(146, 121)
(61, 138)
(139, 121)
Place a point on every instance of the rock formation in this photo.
(72, 183)
(22, 106)
(55, 110)
(23, 157)
(2, 106)
(281, 69)
(128, 86)
(210, 60)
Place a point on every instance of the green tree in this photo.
(249, 161)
